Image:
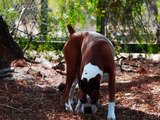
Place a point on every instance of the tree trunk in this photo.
(9, 49)
(152, 9)
(101, 19)
(44, 18)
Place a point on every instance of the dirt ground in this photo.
(137, 96)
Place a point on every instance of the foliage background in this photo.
(41, 24)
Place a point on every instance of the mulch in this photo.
(137, 96)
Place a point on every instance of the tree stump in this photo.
(9, 49)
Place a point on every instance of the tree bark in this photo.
(152, 9)
(101, 20)
(44, 18)
(9, 49)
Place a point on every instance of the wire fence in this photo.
(29, 22)
(27, 18)
(34, 21)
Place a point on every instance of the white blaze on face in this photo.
(90, 71)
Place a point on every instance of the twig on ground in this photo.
(5, 75)
(11, 107)
(6, 70)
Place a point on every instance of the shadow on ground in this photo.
(27, 102)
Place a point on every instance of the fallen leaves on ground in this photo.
(137, 96)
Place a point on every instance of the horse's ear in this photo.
(70, 29)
